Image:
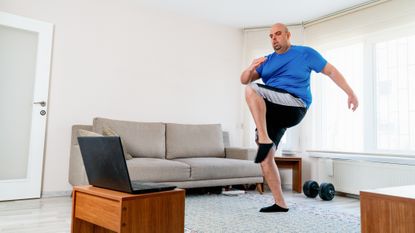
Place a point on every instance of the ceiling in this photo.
(255, 13)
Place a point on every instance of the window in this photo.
(382, 73)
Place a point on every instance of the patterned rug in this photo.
(227, 214)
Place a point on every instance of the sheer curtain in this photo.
(339, 128)
(373, 48)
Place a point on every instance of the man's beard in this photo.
(277, 47)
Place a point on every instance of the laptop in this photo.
(106, 167)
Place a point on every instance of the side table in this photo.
(102, 210)
(294, 163)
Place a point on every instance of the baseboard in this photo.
(56, 194)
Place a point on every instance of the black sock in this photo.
(273, 208)
(263, 150)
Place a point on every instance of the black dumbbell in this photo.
(326, 191)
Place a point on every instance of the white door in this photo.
(25, 54)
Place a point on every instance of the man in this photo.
(284, 99)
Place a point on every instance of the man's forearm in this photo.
(250, 74)
(246, 76)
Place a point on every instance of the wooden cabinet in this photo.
(388, 210)
(101, 210)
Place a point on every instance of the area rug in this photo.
(227, 214)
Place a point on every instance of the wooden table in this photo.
(104, 211)
(294, 163)
(388, 210)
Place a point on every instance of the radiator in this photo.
(350, 176)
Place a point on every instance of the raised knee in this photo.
(249, 92)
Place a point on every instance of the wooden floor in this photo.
(45, 215)
(53, 215)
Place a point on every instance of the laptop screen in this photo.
(104, 163)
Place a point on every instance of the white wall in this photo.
(121, 60)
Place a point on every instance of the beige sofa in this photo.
(187, 156)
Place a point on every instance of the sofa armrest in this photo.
(240, 153)
(77, 174)
(75, 128)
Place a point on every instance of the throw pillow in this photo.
(86, 133)
(109, 132)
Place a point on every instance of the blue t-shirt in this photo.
(291, 70)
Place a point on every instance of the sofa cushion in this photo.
(158, 170)
(109, 132)
(142, 139)
(184, 141)
(220, 168)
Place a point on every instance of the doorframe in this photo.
(34, 176)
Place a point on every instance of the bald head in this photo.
(280, 26)
(280, 38)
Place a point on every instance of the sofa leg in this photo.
(260, 188)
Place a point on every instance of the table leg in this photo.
(260, 188)
(297, 177)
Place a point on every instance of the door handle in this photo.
(42, 103)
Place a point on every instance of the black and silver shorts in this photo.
(284, 110)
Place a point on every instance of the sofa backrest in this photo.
(184, 141)
(141, 139)
(226, 139)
